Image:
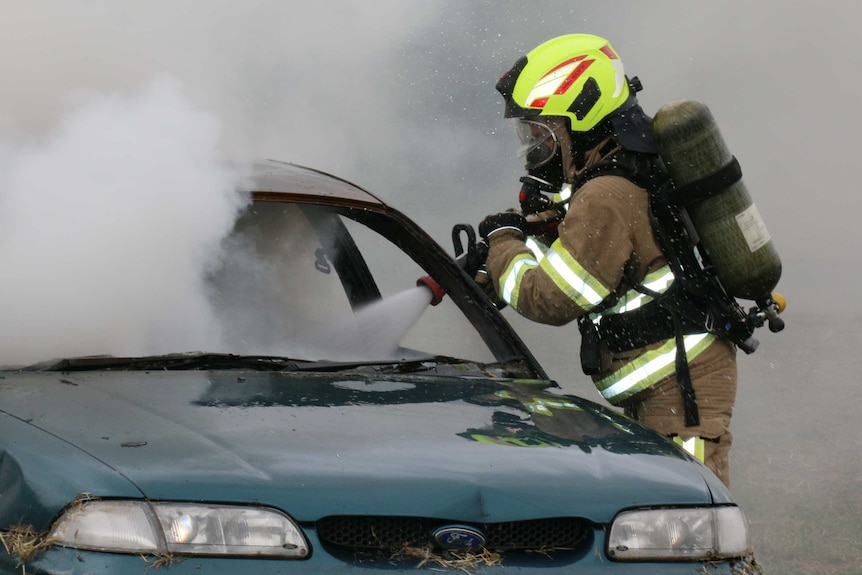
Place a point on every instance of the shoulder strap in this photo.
(700, 295)
(643, 170)
(696, 302)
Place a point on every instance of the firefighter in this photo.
(585, 138)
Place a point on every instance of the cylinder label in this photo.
(753, 229)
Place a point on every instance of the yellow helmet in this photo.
(579, 77)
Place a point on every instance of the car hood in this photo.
(321, 444)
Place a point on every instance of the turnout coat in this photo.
(605, 247)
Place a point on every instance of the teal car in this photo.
(369, 411)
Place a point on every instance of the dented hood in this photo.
(322, 444)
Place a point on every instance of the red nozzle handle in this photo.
(437, 292)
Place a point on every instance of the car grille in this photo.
(392, 533)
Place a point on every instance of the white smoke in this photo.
(108, 226)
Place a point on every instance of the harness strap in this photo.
(708, 186)
(683, 378)
(646, 325)
(664, 317)
(652, 323)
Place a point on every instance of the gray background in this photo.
(398, 96)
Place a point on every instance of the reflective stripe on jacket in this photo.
(566, 273)
(605, 248)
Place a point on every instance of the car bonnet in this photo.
(322, 444)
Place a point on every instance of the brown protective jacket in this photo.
(606, 229)
(607, 232)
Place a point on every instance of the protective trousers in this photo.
(714, 380)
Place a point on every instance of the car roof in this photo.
(273, 176)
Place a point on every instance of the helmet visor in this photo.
(538, 142)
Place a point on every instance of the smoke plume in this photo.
(109, 224)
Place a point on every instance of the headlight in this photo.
(142, 527)
(682, 534)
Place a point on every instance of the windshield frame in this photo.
(278, 182)
(416, 243)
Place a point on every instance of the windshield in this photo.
(306, 281)
(293, 280)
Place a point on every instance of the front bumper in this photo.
(590, 559)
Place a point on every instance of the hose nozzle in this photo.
(437, 292)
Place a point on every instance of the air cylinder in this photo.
(730, 228)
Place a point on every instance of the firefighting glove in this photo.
(503, 221)
(484, 281)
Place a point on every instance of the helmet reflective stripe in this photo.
(558, 80)
(619, 76)
(573, 280)
(658, 281)
(510, 281)
(649, 368)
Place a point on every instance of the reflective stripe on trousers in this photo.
(696, 446)
(649, 368)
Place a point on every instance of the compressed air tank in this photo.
(726, 219)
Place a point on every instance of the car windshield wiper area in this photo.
(433, 365)
(173, 361)
(437, 365)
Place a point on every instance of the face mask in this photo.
(538, 142)
(551, 171)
